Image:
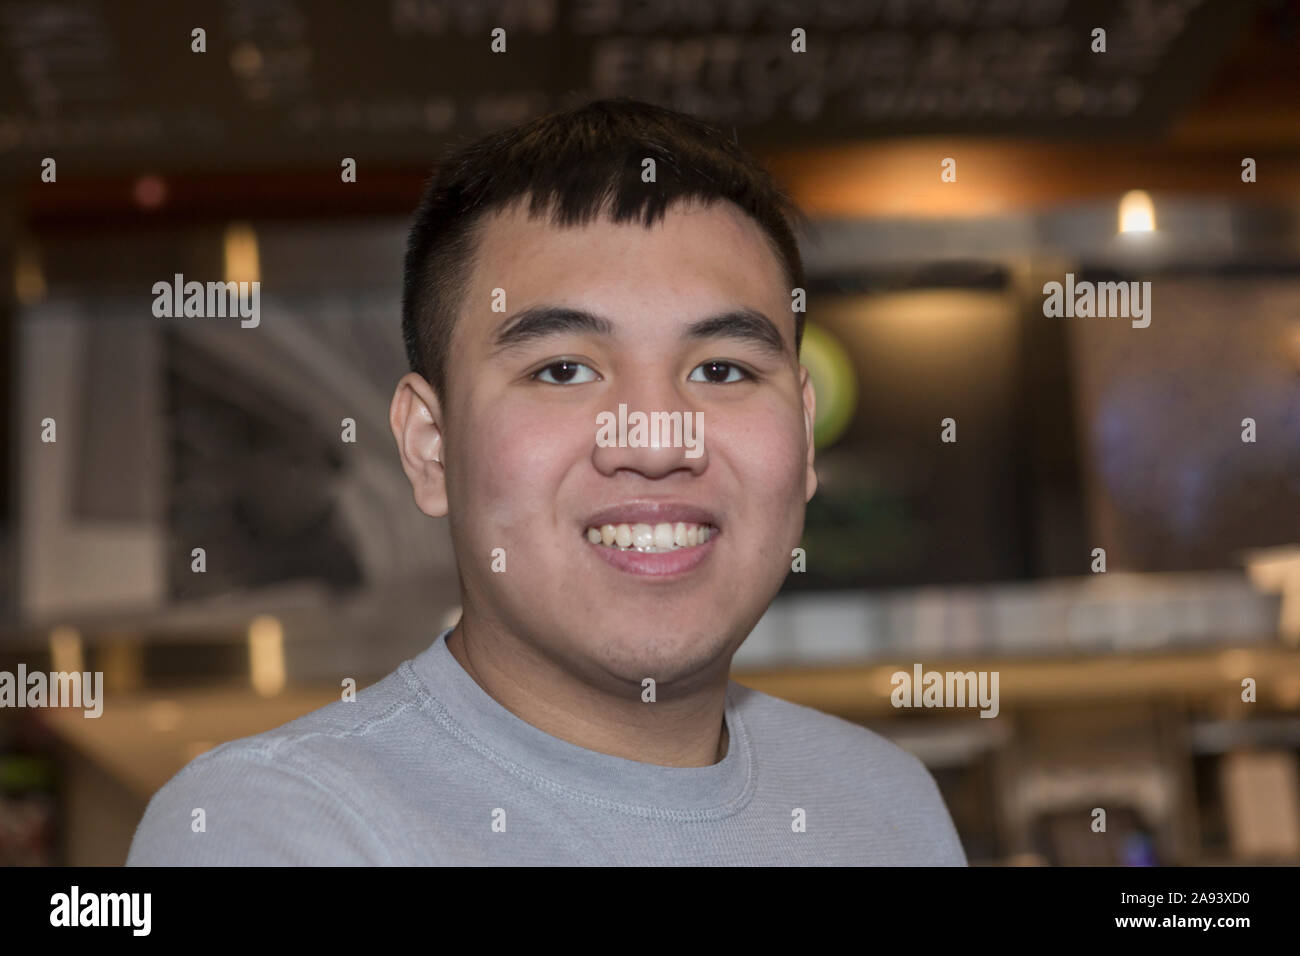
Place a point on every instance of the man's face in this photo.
(525, 472)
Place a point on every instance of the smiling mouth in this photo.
(660, 538)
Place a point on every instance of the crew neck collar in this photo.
(470, 713)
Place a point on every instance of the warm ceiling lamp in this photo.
(1136, 213)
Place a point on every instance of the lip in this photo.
(668, 564)
(651, 512)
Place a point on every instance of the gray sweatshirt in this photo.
(424, 768)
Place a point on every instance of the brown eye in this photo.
(564, 373)
(719, 373)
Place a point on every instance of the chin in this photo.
(667, 654)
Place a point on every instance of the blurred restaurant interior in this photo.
(1080, 440)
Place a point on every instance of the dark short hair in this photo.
(575, 164)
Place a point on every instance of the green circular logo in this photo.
(831, 371)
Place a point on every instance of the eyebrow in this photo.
(745, 324)
(541, 321)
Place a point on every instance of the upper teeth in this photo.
(646, 537)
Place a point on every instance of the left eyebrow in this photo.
(745, 324)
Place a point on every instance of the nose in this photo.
(652, 432)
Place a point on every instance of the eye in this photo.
(564, 373)
(719, 373)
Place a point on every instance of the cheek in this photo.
(765, 448)
(515, 458)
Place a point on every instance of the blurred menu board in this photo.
(115, 86)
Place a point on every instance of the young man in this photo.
(563, 278)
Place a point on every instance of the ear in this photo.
(416, 419)
(809, 418)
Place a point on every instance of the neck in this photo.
(680, 730)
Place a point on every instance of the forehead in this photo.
(705, 255)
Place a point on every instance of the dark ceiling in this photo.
(113, 88)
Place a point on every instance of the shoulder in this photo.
(294, 795)
(851, 771)
(796, 729)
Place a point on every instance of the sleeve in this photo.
(236, 808)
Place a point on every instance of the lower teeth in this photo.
(647, 550)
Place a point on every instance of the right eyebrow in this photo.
(541, 321)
